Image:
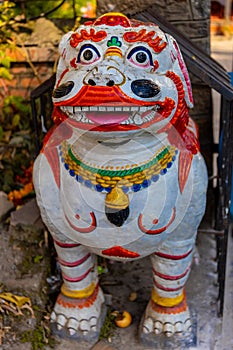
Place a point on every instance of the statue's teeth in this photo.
(79, 112)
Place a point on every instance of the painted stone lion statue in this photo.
(120, 174)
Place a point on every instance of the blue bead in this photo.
(173, 158)
(176, 151)
(62, 160)
(99, 188)
(88, 183)
(79, 178)
(72, 172)
(125, 189)
(163, 171)
(136, 187)
(155, 178)
(108, 189)
(66, 166)
(169, 165)
(146, 183)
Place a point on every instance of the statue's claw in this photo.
(167, 323)
(80, 319)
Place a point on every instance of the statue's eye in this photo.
(140, 56)
(88, 54)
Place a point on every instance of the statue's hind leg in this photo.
(168, 307)
(167, 313)
(79, 310)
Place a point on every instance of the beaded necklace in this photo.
(117, 181)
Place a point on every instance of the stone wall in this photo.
(27, 76)
(192, 18)
(33, 57)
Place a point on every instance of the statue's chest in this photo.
(116, 183)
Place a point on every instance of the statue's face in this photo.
(119, 75)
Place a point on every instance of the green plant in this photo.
(39, 337)
(16, 142)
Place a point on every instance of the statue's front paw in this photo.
(168, 327)
(167, 320)
(79, 318)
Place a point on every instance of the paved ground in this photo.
(213, 333)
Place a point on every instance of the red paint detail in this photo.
(80, 303)
(66, 245)
(185, 162)
(89, 229)
(102, 96)
(183, 139)
(113, 20)
(120, 252)
(77, 216)
(74, 263)
(156, 65)
(155, 221)
(77, 38)
(62, 75)
(171, 278)
(151, 38)
(52, 139)
(173, 257)
(77, 279)
(167, 289)
(184, 71)
(73, 62)
(159, 230)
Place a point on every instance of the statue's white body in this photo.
(121, 175)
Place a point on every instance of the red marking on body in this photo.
(171, 278)
(173, 257)
(66, 245)
(167, 289)
(77, 279)
(120, 252)
(185, 162)
(74, 263)
(158, 230)
(88, 229)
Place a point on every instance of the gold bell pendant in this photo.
(117, 206)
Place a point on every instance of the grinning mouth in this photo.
(108, 115)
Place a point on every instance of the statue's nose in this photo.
(107, 75)
(109, 82)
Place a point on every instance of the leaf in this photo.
(37, 259)
(15, 299)
(16, 120)
(5, 61)
(5, 74)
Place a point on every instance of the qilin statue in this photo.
(120, 174)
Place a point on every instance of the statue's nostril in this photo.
(91, 82)
(110, 83)
(145, 88)
(63, 89)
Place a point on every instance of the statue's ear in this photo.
(63, 51)
(180, 69)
